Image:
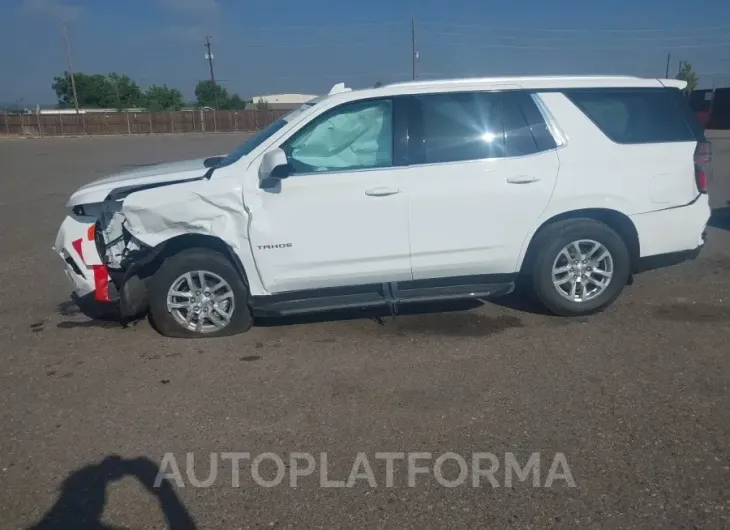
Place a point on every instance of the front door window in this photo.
(350, 137)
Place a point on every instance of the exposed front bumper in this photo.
(82, 264)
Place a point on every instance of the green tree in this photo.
(93, 90)
(236, 103)
(262, 105)
(159, 98)
(207, 96)
(97, 90)
(127, 93)
(687, 74)
(377, 84)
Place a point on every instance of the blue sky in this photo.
(268, 46)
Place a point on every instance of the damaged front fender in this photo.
(200, 207)
(212, 208)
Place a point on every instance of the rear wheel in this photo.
(581, 267)
(198, 293)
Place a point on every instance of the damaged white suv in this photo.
(410, 192)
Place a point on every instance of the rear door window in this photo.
(453, 127)
(636, 116)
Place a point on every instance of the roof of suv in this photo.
(505, 83)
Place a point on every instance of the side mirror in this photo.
(213, 161)
(274, 165)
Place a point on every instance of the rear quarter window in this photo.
(637, 116)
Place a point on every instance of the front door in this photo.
(483, 170)
(341, 217)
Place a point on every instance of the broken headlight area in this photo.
(118, 250)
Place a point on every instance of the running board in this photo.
(387, 296)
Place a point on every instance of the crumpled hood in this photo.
(98, 190)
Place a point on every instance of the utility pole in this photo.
(119, 100)
(70, 67)
(209, 56)
(669, 58)
(413, 45)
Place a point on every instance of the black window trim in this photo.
(561, 139)
(412, 131)
(544, 142)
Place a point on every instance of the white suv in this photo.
(410, 192)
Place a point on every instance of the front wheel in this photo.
(198, 293)
(581, 267)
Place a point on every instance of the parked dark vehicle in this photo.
(712, 107)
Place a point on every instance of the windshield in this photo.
(252, 143)
(260, 137)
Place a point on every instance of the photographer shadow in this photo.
(80, 505)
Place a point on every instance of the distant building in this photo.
(283, 99)
(279, 101)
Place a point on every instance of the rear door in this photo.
(482, 168)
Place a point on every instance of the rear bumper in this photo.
(661, 261)
(676, 231)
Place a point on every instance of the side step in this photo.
(316, 304)
(386, 296)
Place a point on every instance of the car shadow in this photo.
(102, 315)
(80, 505)
(521, 300)
(89, 307)
(720, 218)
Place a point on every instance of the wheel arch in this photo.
(617, 221)
(134, 297)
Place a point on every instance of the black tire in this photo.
(552, 240)
(195, 259)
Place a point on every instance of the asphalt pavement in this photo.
(636, 399)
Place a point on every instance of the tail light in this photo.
(703, 165)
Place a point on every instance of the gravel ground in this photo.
(635, 398)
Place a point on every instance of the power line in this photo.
(536, 43)
(322, 26)
(567, 39)
(317, 76)
(329, 44)
(522, 29)
(574, 30)
(584, 48)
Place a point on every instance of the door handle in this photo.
(522, 179)
(381, 192)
